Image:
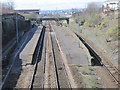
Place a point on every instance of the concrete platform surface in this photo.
(71, 46)
(26, 54)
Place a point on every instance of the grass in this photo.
(75, 27)
(101, 25)
(88, 77)
(92, 20)
(114, 30)
(87, 24)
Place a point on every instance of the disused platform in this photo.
(71, 46)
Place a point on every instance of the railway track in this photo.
(50, 66)
(57, 62)
(38, 55)
(100, 59)
(54, 72)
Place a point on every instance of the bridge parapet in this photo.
(50, 19)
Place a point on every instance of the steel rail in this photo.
(40, 44)
(63, 65)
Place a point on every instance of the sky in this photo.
(51, 4)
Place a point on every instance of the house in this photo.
(111, 5)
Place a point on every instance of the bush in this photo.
(64, 24)
(87, 24)
(101, 25)
(118, 30)
(75, 27)
(77, 20)
(91, 15)
(114, 31)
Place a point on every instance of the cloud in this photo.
(51, 4)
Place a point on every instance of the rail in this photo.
(101, 59)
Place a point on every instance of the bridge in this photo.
(50, 19)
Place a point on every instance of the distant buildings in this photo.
(29, 11)
(41, 13)
(60, 13)
(111, 5)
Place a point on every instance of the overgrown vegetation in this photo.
(114, 30)
(75, 27)
(93, 17)
(90, 16)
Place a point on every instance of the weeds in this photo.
(101, 25)
(114, 31)
(75, 27)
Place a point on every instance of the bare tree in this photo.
(92, 8)
(9, 4)
(91, 15)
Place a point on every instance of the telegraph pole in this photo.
(17, 28)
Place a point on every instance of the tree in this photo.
(91, 15)
(92, 8)
(9, 4)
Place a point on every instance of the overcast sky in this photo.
(51, 4)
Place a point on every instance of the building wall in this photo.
(111, 5)
(9, 26)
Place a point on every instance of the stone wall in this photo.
(9, 26)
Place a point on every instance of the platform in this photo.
(26, 54)
(71, 47)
